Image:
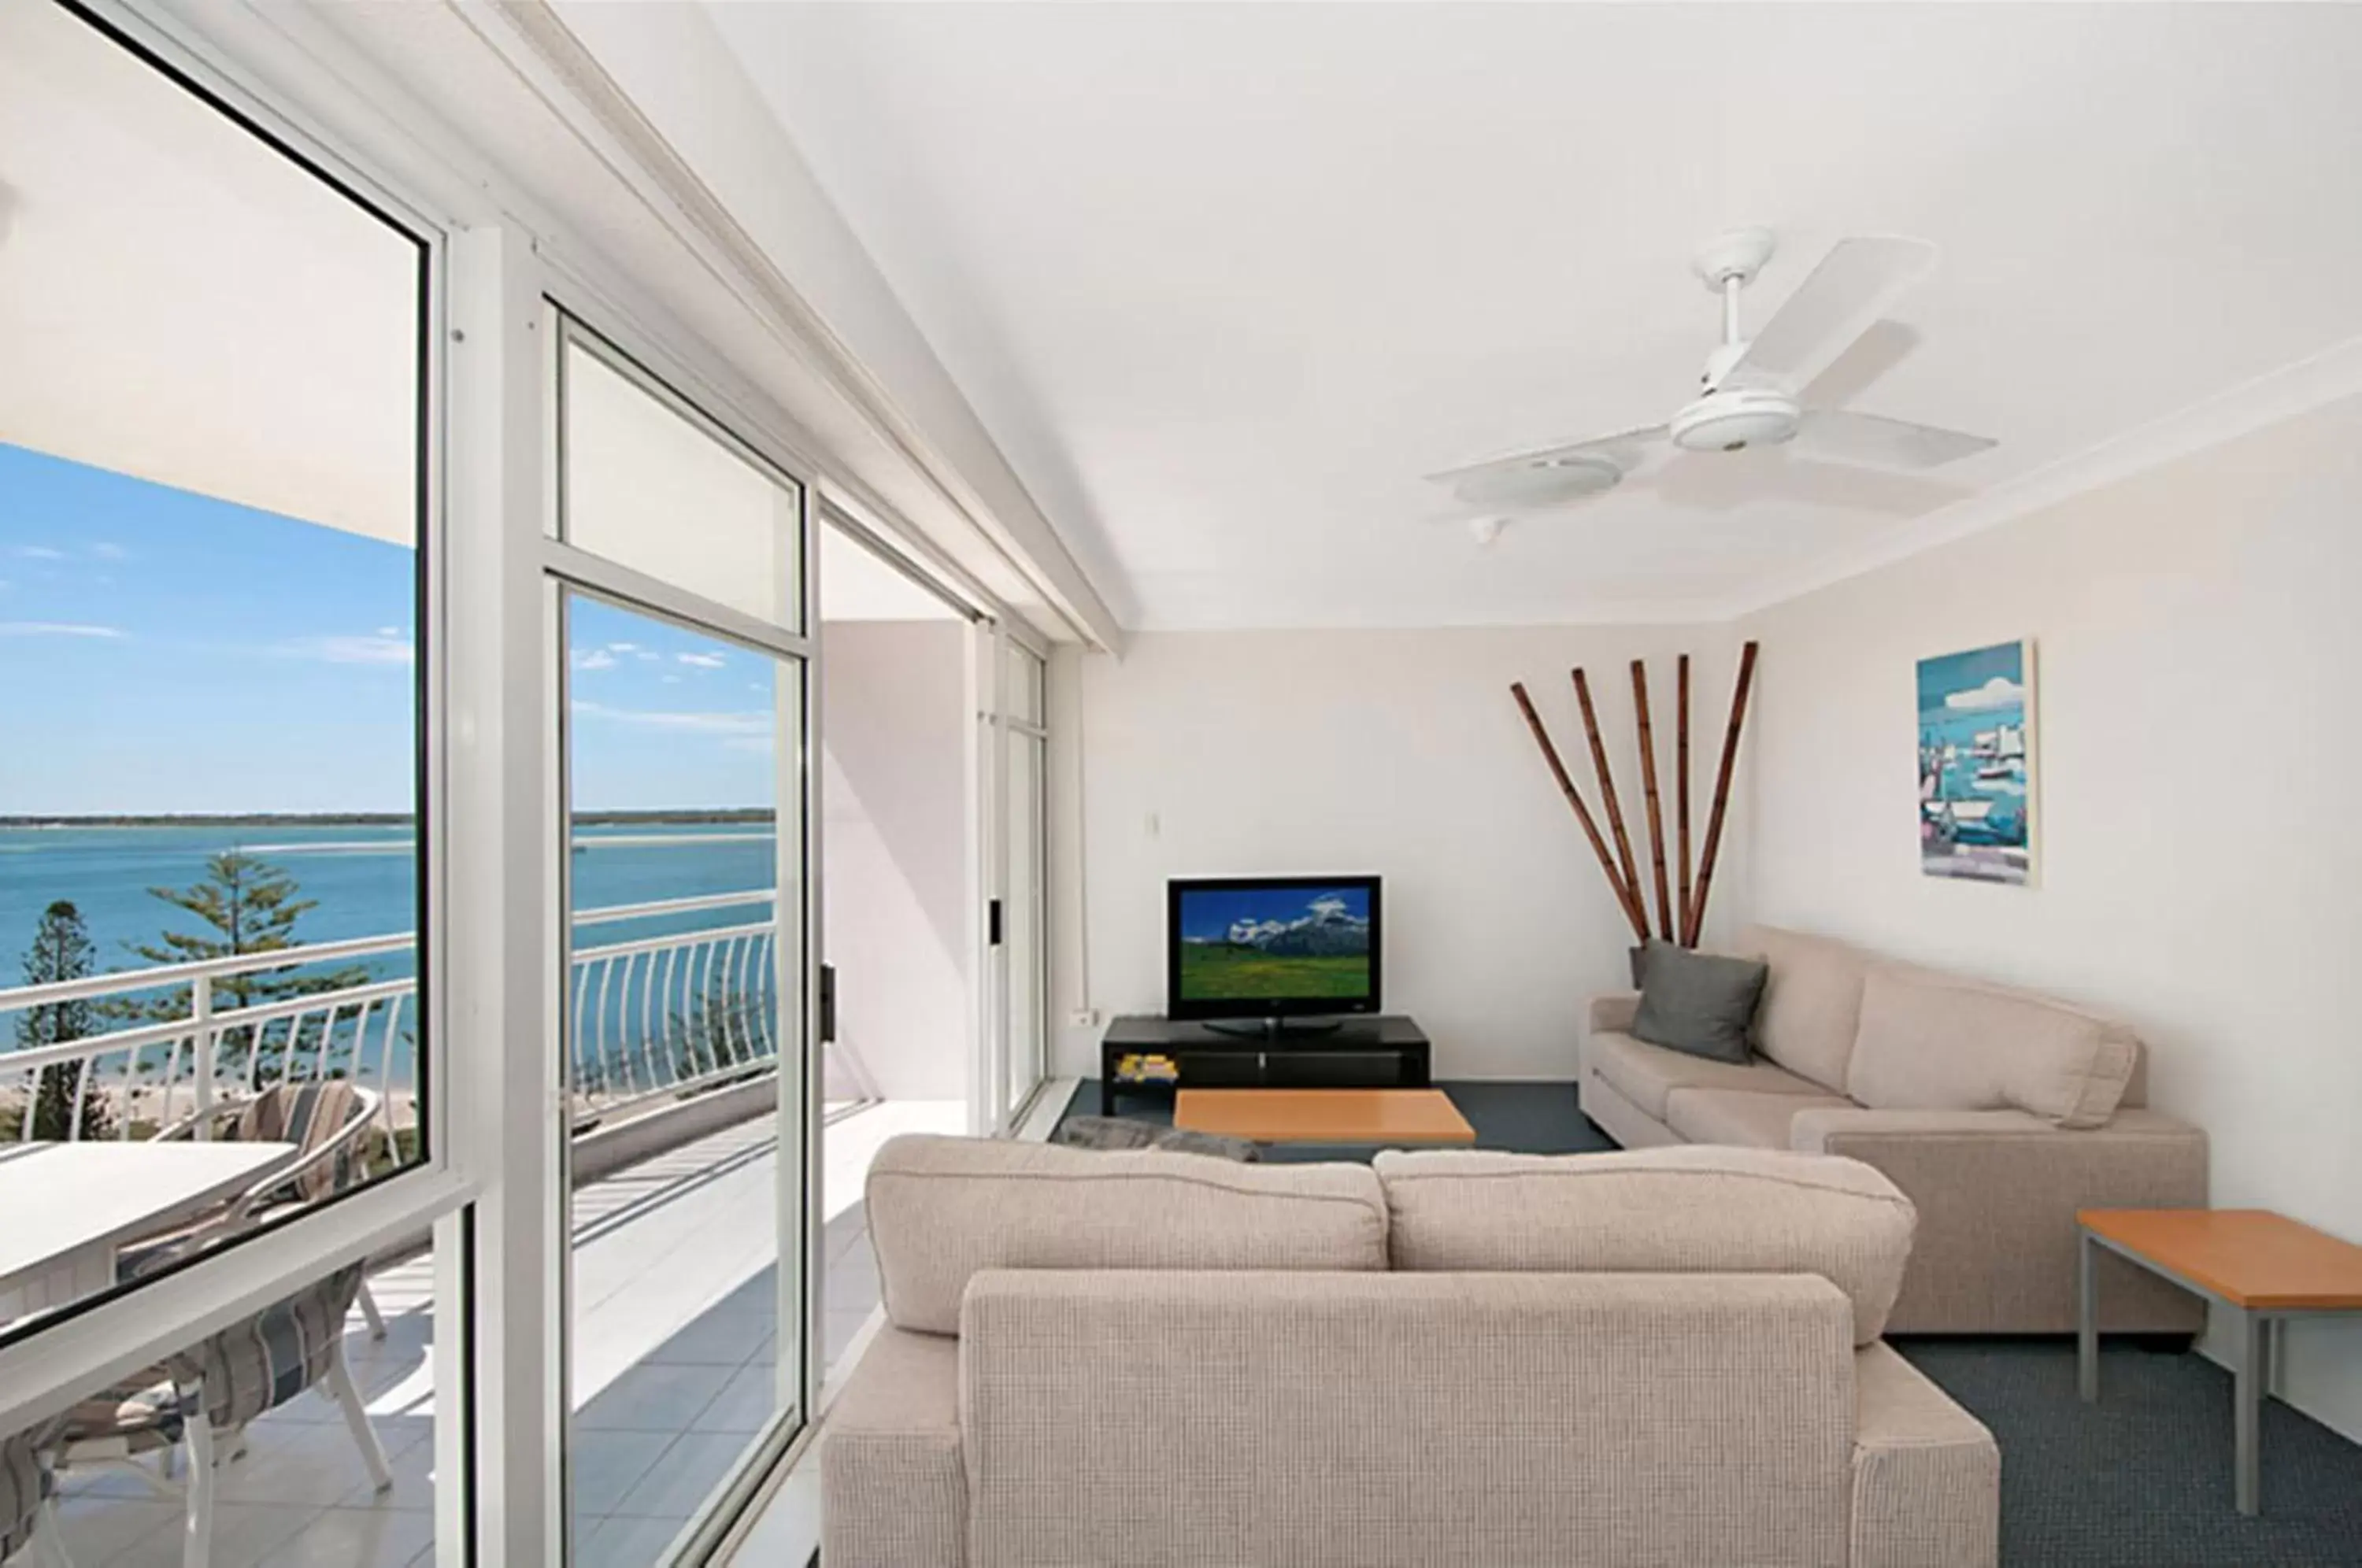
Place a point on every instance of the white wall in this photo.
(2199, 682)
(893, 806)
(1399, 753)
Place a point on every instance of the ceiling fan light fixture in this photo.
(1550, 480)
(1735, 418)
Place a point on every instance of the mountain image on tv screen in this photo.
(1261, 943)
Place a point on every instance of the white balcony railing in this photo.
(653, 1018)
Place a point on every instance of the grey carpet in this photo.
(2140, 1480)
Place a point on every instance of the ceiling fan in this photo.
(1751, 383)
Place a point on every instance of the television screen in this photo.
(1244, 948)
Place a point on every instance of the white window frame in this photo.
(567, 569)
(495, 1160)
(116, 1337)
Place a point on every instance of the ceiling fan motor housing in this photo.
(1734, 418)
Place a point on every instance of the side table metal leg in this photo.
(2087, 1317)
(2247, 1396)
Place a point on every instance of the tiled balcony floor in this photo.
(674, 1374)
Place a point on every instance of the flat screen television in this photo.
(1271, 947)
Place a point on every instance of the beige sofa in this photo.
(1136, 1359)
(1999, 1113)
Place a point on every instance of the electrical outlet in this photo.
(1083, 1018)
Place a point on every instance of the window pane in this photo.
(650, 487)
(683, 763)
(303, 1486)
(210, 576)
(1024, 698)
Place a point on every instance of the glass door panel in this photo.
(684, 882)
(1027, 1019)
(1026, 990)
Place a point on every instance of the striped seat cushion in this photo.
(247, 1369)
(308, 1116)
(262, 1363)
(142, 1413)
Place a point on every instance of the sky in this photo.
(165, 652)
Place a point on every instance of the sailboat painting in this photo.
(1977, 765)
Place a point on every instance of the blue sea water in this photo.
(364, 879)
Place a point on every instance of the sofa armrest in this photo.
(893, 1485)
(1997, 1192)
(1926, 1474)
(1612, 1013)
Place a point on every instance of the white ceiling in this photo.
(181, 301)
(1225, 281)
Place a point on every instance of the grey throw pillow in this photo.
(1697, 1002)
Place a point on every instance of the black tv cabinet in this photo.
(1386, 1051)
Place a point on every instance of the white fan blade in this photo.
(1851, 289)
(1876, 442)
(1553, 474)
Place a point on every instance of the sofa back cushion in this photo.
(941, 1209)
(1694, 1210)
(1811, 1007)
(1391, 1420)
(1930, 1041)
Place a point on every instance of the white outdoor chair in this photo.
(29, 1515)
(323, 1119)
(217, 1387)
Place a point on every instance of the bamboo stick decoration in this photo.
(1721, 794)
(1626, 897)
(1607, 798)
(1682, 778)
(1649, 794)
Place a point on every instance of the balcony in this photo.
(674, 1353)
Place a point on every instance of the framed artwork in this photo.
(1977, 765)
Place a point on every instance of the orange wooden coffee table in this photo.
(1383, 1116)
(2264, 1268)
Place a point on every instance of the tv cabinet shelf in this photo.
(1387, 1051)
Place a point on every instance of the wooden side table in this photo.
(2263, 1268)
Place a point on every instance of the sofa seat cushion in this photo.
(1646, 1074)
(1926, 1474)
(1746, 1118)
(1692, 1209)
(1929, 1042)
(941, 1209)
(893, 1480)
(1812, 1003)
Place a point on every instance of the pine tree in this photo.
(61, 950)
(252, 907)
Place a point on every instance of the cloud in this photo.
(701, 660)
(669, 680)
(1999, 692)
(597, 658)
(36, 553)
(646, 657)
(623, 647)
(746, 725)
(389, 631)
(56, 629)
(107, 552)
(375, 648)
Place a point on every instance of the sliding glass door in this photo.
(1025, 927)
(678, 601)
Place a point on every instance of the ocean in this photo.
(364, 879)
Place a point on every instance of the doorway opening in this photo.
(897, 767)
